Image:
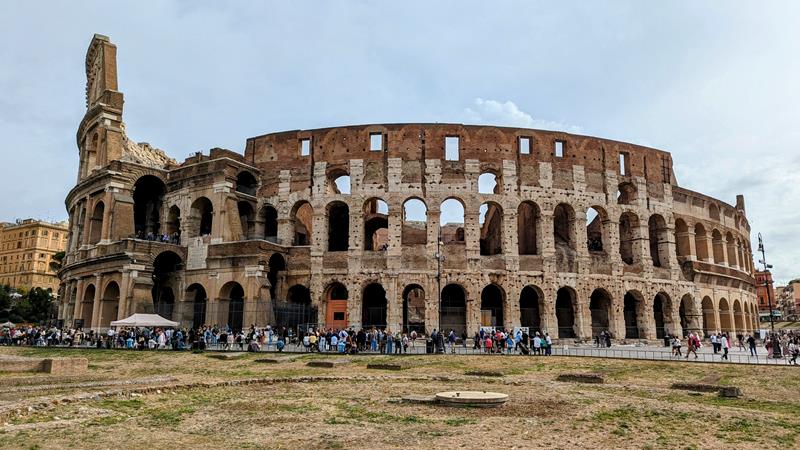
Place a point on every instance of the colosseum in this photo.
(404, 226)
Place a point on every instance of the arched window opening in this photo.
(563, 226)
(339, 182)
(270, 217)
(731, 244)
(451, 221)
(600, 311)
(376, 225)
(232, 296)
(488, 183)
(201, 217)
(529, 310)
(659, 241)
(491, 222)
(166, 281)
(725, 321)
(662, 314)
(701, 242)
(682, 244)
(246, 183)
(302, 217)
(96, 224)
(528, 228)
(148, 195)
(626, 195)
(373, 310)
(628, 230)
(688, 318)
(492, 300)
(632, 311)
(709, 316)
(738, 317)
(338, 227)
(713, 212)
(87, 306)
(414, 309)
(174, 224)
(415, 220)
(595, 217)
(565, 313)
(109, 305)
(719, 247)
(196, 294)
(453, 310)
(246, 218)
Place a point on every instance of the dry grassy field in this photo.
(180, 400)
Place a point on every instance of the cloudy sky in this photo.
(715, 83)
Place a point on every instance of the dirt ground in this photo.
(177, 400)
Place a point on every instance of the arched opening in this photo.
(166, 280)
(339, 182)
(731, 243)
(87, 306)
(595, 229)
(682, 244)
(276, 275)
(232, 296)
(338, 227)
(246, 218)
(196, 294)
(565, 312)
(451, 221)
(414, 309)
(632, 310)
(373, 309)
(719, 245)
(709, 317)
(299, 295)
(297, 312)
(376, 225)
(725, 320)
(148, 194)
(246, 183)
(336, 306)
(491, 222)
(270, 217)
(109, 304)
(738, 316)
(626, 193)
(453, 310)
(302, 217)
(628, 231)
(415, 220)
(528, 228)
(487, 183)
(492, 300)
(662, 313)
(701, 242)
(600, 309)
(564, 235)
(174, 224)
(529, 310)
(659, 241)
(96, 224)
(688, 315)
(713, 211)
(201, 217)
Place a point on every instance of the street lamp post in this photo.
(776, 344)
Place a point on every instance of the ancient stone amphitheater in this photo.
(405, 226)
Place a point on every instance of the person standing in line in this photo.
(714, 342)
(548, 350)
(537, 344)
(725, 346)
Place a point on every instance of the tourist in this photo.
(451, 339)
(794, 351)
(751, 343)
(692, 344)
(725, 346)
(548, 344)
(676, 346)
(715, 343)
(537, 344)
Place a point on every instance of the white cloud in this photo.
(493, 112)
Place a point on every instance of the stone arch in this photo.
(628, 235)
(201, 217)
(231, 299)
(701, 242)
(374, 306)
(489, 183)
(725, 320)
(246, 219)
(148, 196)
(566, 310)
(87, 305)
(738, 317)
(96, 223)
(491, 222)
(174, 224)
(302, 219)
(528, 228)
(709, 316)
(719, 252)
(269, 215)
(276, 275)
(109, 304)
(493, 299)
(453, 309)
(338, 226)
(731, 247)
(564, 226)
(452, 216)
(246, 183)
(682, 244)
(198, 297)
(596, 233)
(376, 224)
(600, 310)
(336, 296)
(658, 237)
(531, 304)
(688, 315)
(415, 222)
(339, 181)
(167, 268)
(662, 315)
(633, 312)
(414, 309)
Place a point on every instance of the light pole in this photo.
(776, 344)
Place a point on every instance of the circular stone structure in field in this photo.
(472, 398)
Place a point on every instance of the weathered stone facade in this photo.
(561, 233)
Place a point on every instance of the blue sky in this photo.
(715, 83)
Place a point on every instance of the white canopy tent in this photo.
(144, 320)
(8, 324)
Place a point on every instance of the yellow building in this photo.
(26, 250)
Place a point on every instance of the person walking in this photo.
(794, 351)
(549, 344)
(676, 346)
(537, 344)
(691, 345)
(714, 343)
(725, 344)
(751, 342)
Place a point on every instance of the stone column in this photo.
(98, 295)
